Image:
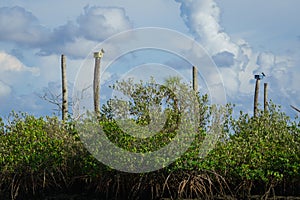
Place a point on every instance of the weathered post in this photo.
(96, 84)
(195, 79)
(256, 97)
(265, 97)
(258, 78)
(64, 88)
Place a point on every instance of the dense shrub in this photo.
(261, 152)
(251, 155)
(38, 153)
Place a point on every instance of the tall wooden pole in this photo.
(195, 79)
(96, 84)
(265, 97)
(256, 97)
(64, 88)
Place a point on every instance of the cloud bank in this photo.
(236, 60)
(11, 72)
(21, 26)
(74, 39)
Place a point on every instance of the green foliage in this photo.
(252, 154)
(25, 145)
(151, 110)
(262, 149)
(36, 153)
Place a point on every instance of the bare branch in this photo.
(295, 108)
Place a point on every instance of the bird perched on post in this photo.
(259, 76)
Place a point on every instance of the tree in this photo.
(152, 104)
(146, 116)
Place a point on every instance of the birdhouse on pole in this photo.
(99, 54)
(259, 76)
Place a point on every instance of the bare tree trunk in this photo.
(64, 88)
(96, 84)
(195, 79)
(256, 97)
(265, 97)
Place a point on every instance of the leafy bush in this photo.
(262, 150)
(251, 155)
(36, 153)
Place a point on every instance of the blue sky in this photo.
(242, 37)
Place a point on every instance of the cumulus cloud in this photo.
(237, 59)
(202, 18)
(21, 86)
(94, 25)
(9, 63)
(21, 26)
(14, 75)
(224, 59)
(77, 48)
(99, 23)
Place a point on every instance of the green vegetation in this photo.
(254, 156)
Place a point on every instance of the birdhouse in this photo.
(258, 77)
(98, 54)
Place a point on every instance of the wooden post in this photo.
(256, 97)
(96, 84)
(195, 79)
(265, 97)
(64, 88)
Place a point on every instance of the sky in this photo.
(243, 38)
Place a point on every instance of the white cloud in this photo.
(79, 48)
(9, 63)
(99, 23)
(75, 39)
(20, 26)
(224, 59)
(202, 19)
(15, 77)
(229, 78)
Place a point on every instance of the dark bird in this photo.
(259, 76)
(263, 74)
